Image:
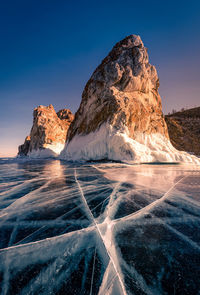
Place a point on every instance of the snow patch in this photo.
(115, 144)
(49, 150)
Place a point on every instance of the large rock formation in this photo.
(184, 130)
(120, 116)
(48, 133)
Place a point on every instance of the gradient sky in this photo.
(49, 49)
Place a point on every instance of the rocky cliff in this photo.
(120, 116)
(48, 133)
(184, 130)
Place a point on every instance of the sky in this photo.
(49, 49)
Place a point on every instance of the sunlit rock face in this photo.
(123, 91)
(48, 133)
(120, 116)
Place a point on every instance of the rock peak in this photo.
(49, 107)
(129, 42)
(120, 116)
(122, 86)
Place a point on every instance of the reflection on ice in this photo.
(99, 228)
(159, 177)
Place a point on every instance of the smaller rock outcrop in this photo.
(48, 133)
(184, 130)
(24, 148)
(65, 115)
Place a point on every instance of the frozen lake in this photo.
(99, 228)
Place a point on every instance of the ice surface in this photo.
(112, 144)
(99, 228)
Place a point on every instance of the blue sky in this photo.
(49, 49)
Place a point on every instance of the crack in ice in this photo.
(104, 207)
(99, 232)
(152, 205)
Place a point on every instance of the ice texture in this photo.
(115, 144)
(99, 228)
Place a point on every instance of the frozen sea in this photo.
(99, 228)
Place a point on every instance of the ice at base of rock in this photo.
(50, 150)
(112, 144)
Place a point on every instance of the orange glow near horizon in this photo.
(7, 153)
(8, 149)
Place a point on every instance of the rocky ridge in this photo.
(48, 133)
(184, 130)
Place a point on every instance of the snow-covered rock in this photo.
(48, 134)
(109, 143)
(120, 116)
